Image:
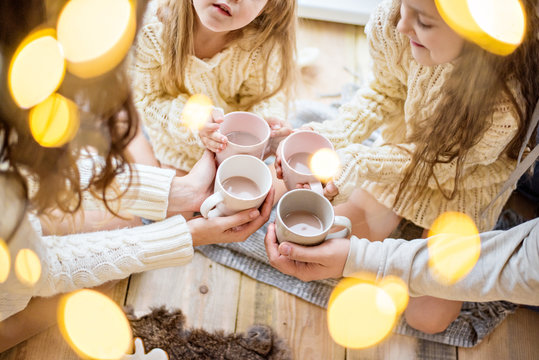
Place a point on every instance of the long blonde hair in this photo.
(477, 82)
(274, 28)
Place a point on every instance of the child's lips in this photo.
(416, 43)
(223, 9)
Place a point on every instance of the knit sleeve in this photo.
(173, 143)
(383, 98)
(253, 86)
(485, 164)
(142, 192)
(83, 260)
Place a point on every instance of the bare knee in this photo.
(431, 315)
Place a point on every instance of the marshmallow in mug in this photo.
(247, 133)
(242, 182)
(305, 217)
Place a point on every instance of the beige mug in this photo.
(241, 182)
(305, 217)
(247, 133)
(296, 151)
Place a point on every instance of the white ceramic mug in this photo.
(295, 152)
(313, 217)
(247, 133)
(242, 182)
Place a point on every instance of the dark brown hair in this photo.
(51, 174)
(478, 81)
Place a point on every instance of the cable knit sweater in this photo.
(401, 93)
(230, 79)
(85, 260)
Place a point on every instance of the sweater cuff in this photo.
(165, 243)
(149, 191)
(361, 259)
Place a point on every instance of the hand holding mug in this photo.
(307, 263)
(209, 134)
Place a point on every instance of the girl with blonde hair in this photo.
(453, 118)
(237, 53)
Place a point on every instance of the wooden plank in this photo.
(394, 347)
(50, 344)
(516, 338)
(326, 75)
(301, 324)
(206, 292)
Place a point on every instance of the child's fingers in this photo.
(218, 137)
(213, 145)
(218, 115)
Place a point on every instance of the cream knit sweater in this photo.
(401, 93)
(85, 260)
(230, 79)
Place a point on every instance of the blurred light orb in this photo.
(37, 69)
(497, 26)
(360, 314)
(27, 267)
(454, 247)
(5, 261)
(397, 289)
(96, 34)
(94, 325)
(55, 121)
(196, 112)
(325, 164)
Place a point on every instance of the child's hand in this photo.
(211, 138)
(330, 191)
(307, 263)
(279, 130)
(233, 228)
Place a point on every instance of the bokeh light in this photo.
(37, 69)
(96, 34)
(55, 121)
(5, 261)
(94, 325)
(360, 313)
(396, 288)
(325, 164)
(27, 267)
(497, 26)
(454, 247)
(196, 112)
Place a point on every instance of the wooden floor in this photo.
(234, 301)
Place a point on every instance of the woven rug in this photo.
(475, 321)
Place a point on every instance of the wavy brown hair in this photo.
(51, 174)
(464, 114)
(274, 28)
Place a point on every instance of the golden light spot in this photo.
(55, 121)
(396, 288)
(360, 314)
(196, 112)
(325, 164)
(454, 247)
(94, 325)
(5, 261)
(504, 20)
(27, 267)
(37, 69)
(497, 26)
(96, 34)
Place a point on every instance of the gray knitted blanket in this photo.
(475, 321)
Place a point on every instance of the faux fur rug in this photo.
(166, 330)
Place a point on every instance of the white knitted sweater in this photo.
(401, 93)
(85, 260)
(230, 79)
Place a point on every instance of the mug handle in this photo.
(209, 204)
(316, 186)
(341, 221)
